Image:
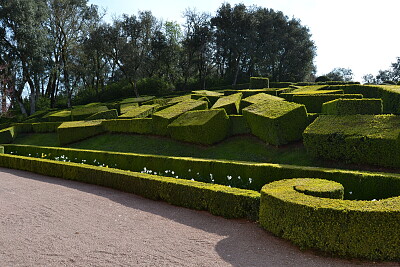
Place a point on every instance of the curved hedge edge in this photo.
(217, 199)
(360, 229)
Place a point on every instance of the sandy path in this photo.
(53, 222)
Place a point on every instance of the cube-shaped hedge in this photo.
(201, 126)
(64, 115)
(136, 125)
(363, 139)
(230, 103)
(140, 112)
(259, 82)
(289, 96)
(238, 125)
(82, 113)
(257, 99)
(162, 118)
(212, 98)
(73, 131)
(276, 122)
(353, 106)
(314, 103)
(7, 135)
(250, 92)
(108, 114)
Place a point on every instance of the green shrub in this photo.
(73, 131)
(362, 139)
(362, 229)
(353, 106)
(276, 122)
(238, 125)
(230, 103)
(162, 118)
(108, 114)
(140, 112)
(259, 82)
(154, 85)
(137, 125)
(84, 112)
(7, 135)
(200, 126)
(64, 115)
(313, 102)
(358, 185)
(211, 98)
(124, 108)
(257, 99)
(217, 199)
(289, 96)
(45, 127)
(137, 100)
(280, 84)
(250, 92)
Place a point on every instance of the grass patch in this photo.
(37, 139)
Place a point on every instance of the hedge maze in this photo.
(350, 213)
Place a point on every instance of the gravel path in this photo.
(53, 222)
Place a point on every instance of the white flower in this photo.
(229, 177)
(250, 180)
(192, 179)
(155, 173)
(172, 172)
(176, 176)
(189, 170)
(350, 192)
(374, 199)
(239, 177)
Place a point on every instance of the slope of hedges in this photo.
(230, 103)
(74, 131)
(313, 102)
(353, 106)
(257, 99)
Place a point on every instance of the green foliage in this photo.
(239, 125)
(276, 122)
(230, 103)
(139, 112)
(259, 82)
(7, 135)
(138, 125)
(69, 132)
(162, 118)
(200, 126)
(353, 106)
(64, 115)
(108, 114)
(155, 86)
(362, 139)
(280, 84)
(322, 79)
(84, 112)
(217, 199)
(289, 95)
(250, 92)
(45, 127)
(211, 96)
(314, 102)
(260, 97)
(361, 229)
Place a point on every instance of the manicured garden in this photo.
(315, 164)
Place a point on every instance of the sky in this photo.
(358, 34)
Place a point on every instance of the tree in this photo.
(369, 79)
(340, 74)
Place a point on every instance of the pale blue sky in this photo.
(356, 34)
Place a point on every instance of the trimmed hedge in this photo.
(139, 126)
(140, 112)
(250, 92)
(362, 139)
(257, 99)
(82, 113)
(238, 125)
(358, 185)
(178, 99)
(64, 115)
(276, 122)
(7, 135)
(45, 127)
(124, 108)
(280, 84)
(162, 118)
(314, 103)
(259, 82)
(108, 114)
(362, 229)
(353, 106)
(73, 131)
(201, 126)
(211, 98)
(230, 103)
(217, 199)
(289, 96)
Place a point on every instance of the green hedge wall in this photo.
(230, 103)
(162, 118)
(362, 139)
(64, 115)
(81, 113)
(250, 92)
(259, 82)
(7, 135)
(358, 185)
(256, 99)
(289, 95)
(200, 126)
(139, 126)
(108, 114)
(140, 112)
(353, 106)
(314, 103)
(211, 98)
(276, 122)
(45, 127)
(73, 131)
(238, 125)
(362, 229)
(217, 199)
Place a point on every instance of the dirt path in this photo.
(53, 222)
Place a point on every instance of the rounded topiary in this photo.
(322, 79)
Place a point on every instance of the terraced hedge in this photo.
(362, 139)
(314, 102)
(230, 103)
(140, 112)
(81, 113)
(74, 131)
(289, 96)
(108, 114)
(260, 97)
(353, 106)
(362, 229)
(259, 82)
(137, 125)
(201, 126)
(276, 122)
(217, 199)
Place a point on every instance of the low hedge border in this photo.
(361, 229)
(217, 199)
(359, 185)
